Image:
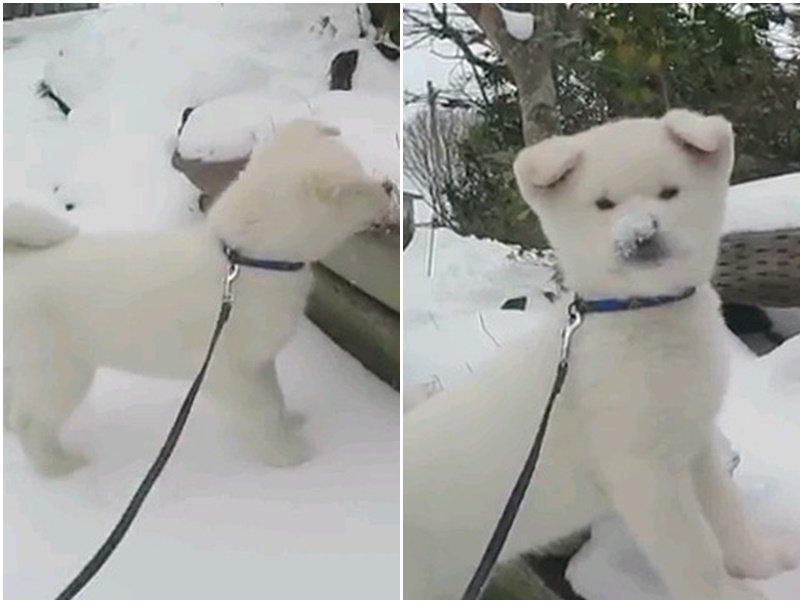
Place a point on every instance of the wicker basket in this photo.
(760, 268)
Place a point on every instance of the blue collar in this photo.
(278, 265)
(611, 304)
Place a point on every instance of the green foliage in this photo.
(482, 196)
(627, 60)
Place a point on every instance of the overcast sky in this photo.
(422, 64)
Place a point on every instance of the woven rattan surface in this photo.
(760, 268)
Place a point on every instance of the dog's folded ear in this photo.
(546, 164)
(699, 134)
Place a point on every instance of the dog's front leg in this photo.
(661, 512)
(747, 554)
(255, 402)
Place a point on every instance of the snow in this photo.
(128, 72)
(454, 287)
(768, 204)
(631, 229)
(327, 529)
(229, 127)
(519, 25)
(453, 325)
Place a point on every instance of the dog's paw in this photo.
(59, 465)
(764, 560)
(289, 450)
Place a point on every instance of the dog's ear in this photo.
(546, 164)
(698, 134)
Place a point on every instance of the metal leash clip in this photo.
(228, 282)
(575, 320)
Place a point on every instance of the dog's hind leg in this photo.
(747, 554)
(254, 400)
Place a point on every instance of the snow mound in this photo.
(767, 204)
(230, 127)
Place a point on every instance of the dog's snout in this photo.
(647, 235)
(637, 238)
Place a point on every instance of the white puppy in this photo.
(147, 303)
(633, 208)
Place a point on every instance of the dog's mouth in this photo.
(647, 252)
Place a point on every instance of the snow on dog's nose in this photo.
(637, 239)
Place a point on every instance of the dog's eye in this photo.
(668, 193)
(604, 203)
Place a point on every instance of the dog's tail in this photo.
(30, 227)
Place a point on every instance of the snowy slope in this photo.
(219, 524)
(454, 287)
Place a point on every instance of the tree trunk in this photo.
(530, 63)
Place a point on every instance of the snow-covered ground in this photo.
(218, 524)
(453, 289)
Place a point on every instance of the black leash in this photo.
(505, 523)
(118, 533)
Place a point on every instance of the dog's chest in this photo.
(265, 316)
(656, 380)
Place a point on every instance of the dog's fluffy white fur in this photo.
(634, 430)
(147, 303)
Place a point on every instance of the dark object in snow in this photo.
(17, 11)
(342, 70)
(745, 319)
(748, 320)
(515, 303)
(538, 575)
(386, 19)
(185, 115)
(45, 91)
(388, 51)
(69, 206)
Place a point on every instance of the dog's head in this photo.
(301, 195)
(633, 207)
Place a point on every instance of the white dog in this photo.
(148, 303)
(633, 209)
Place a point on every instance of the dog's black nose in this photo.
(648, 250)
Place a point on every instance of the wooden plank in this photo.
(364, 327)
